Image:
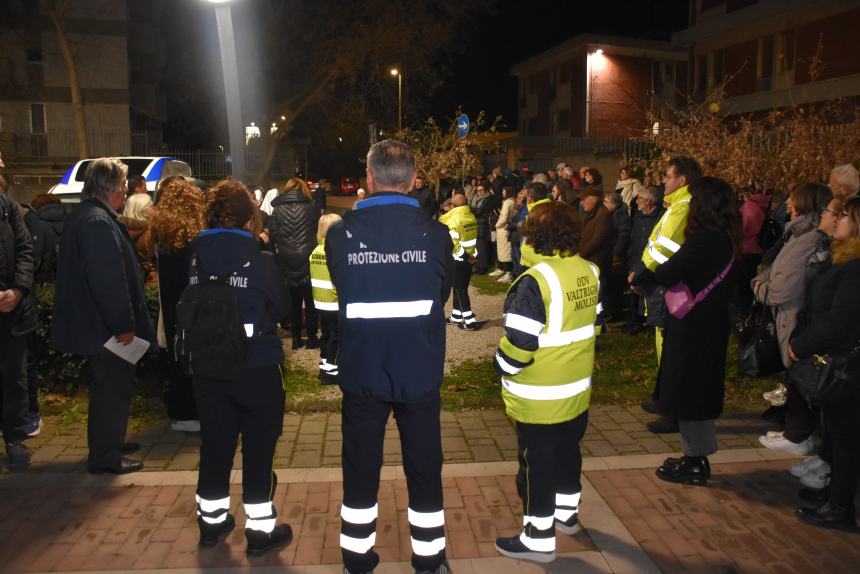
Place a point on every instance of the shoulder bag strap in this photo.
(704, 292)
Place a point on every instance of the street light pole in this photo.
(395, 72)
(230, 68)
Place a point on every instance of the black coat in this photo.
(640, 231)
(426, 200)
(45, 246)
(598, 238)
(621, 222)
(173, 269)
(829, 323)
(16, 268)
(99, 287)
(292, 232)
(53, 215)
(691, 381)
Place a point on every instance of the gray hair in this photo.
(136, 206)
(103, 177)
(392, 164)
(614, 197)
(541, 178)
(567, 171)
(848, 176)
(648, 194)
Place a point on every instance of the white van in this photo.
(153, 170)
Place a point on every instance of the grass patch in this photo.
(488, 285)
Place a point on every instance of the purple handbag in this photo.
(679, 300)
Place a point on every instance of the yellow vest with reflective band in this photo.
(325, 295)
(557, 386)
(463, 228)
(528, 257)
(668, 235)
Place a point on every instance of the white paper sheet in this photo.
(131, 352)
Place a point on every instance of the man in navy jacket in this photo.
(99, 296)
(392, 268)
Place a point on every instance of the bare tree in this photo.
(58, 10)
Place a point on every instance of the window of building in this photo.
(564, 121)
(719, 68)
(765, 62)
(37, 118)
(786, 51)
(34, 56)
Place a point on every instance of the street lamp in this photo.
(395, 72)
(230, 68)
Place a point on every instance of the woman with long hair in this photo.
(691, 379)
(830, 327)
(251, 401)
(178, 219)
(292, 233)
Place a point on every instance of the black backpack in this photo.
(769, 233)
(210, 335)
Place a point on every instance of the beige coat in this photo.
(503, 244)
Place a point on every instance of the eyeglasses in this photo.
(827, 210)
(841, 214)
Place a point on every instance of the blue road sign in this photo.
(463, 126)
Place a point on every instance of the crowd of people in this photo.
(369, 289)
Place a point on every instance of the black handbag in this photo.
(758, 347)
(823, 379)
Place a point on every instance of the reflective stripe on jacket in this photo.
(324, 293)
(463, 228)
(668, 235)
(546, 357)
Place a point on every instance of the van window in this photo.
(136, 166)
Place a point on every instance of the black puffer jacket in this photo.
(53, 215)
(293, 230)
(16, 267)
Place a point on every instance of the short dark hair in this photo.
(686, 166)
(554, 227)
(392, 164)
(134, 181)
(537, 191)
(229, 205)
(810, 197)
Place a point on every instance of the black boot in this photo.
(813, 496)
(212, 534)
(663, 426)
(686, 470)
(260, 542)
(652, 407)
(828, 515)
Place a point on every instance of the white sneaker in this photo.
(773, 433)
(185, 426)
(781, 443)
(817, 480)
(807, 466)
(506, 278)
(495, 273)
(776, 397)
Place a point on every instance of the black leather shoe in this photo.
(212, 534)
(652, 407)
(129, 447)
(828, 515)
(686, 470)
(814, 496)
(261, 542)
(663, 426)
(124, 466)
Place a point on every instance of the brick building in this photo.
(596, 86)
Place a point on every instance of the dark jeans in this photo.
(363, 424)
(329, 339)
(111, 390)
(843, 427)
(800, 419)
(13, 377)
(462, 276)
(516, 252)
(303, 294)
(252, 405)
(550, 465)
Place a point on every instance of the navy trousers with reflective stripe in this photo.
(363, 427)
(462, 276)
(550, 464)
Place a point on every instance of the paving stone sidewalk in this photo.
(742, 522)
(314, 440)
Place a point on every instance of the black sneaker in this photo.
(569, 526)
(514, 548)
(261, 542)
(212, 534)
(470, 326)
(452, 323)
(443, 568)
(18, 454)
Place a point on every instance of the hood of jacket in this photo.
(760, 199)
(222, 251)
(295, 195)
